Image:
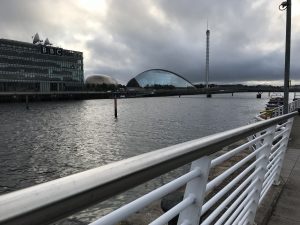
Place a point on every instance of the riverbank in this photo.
(85, 95)
(51, 96)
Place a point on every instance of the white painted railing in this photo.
(240, 197)
(293, 106)
(230, 197)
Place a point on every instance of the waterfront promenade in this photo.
(287, 209)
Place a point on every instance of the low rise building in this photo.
(39, 67)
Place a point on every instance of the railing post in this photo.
(297, 103)
(293, 106)
(277, 112)
(191, 215)
(262, 165)
(258, 144)
(285, 145)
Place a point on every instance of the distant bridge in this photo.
(139, 92)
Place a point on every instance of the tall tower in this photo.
(207, 57)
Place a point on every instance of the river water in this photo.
(56, 139)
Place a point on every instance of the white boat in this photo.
(274, 102)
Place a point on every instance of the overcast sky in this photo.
(122, 38)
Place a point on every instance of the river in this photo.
(56, 139)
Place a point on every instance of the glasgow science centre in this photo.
(39, 67)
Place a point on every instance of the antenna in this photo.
(207, 56)
(47, 42)
(36, 39)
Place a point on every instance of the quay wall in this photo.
(82, 95)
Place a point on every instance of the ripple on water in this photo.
(56, 139)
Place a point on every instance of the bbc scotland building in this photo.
(39, 67)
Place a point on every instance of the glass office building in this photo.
(161, 77)
(39, 67)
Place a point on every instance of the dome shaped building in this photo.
(100, 79)
(159, 77)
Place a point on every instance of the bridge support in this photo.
(27, 102)
(116, 107)
(258, 95)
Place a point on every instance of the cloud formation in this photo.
(124, 38)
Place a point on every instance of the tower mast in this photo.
(207, 56)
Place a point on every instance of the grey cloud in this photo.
(234, 26)
(58, 20)
(247, 37)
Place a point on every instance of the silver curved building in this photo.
(159, 77)
(100, 79)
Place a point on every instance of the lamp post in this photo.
(287, 5)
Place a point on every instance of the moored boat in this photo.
(274, 102)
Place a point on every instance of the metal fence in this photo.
(291, 107)
(230, 197)
(278, 111)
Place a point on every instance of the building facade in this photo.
(159, 77)
(100, 79)
(39, 67)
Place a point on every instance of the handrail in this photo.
(48, 202)
(278, 111)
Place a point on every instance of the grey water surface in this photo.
(56, 139)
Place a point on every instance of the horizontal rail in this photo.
(147, 199)
(237, 202)
(280, 134)
(271, 168)
(274, 154)
(243, 213)
(220, 208)
(273, 161)
(267, 179)
(48, 202)
(276, 146)
(242, 205)
(219, 179)
(282, 125)
(165, 218)
(267, 186)
(233, 152)
(230, 185)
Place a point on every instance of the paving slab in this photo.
(287, 209)
(282, 221)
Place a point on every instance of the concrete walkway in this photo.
(287, 209)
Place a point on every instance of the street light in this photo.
(287, 5)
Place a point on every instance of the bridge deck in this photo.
(287, 209)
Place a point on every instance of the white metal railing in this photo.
(231, 197)
(278, 111)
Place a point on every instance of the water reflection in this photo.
(56, 139)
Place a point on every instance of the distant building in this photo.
(39, 67)
(100, 79)
(159, 77)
